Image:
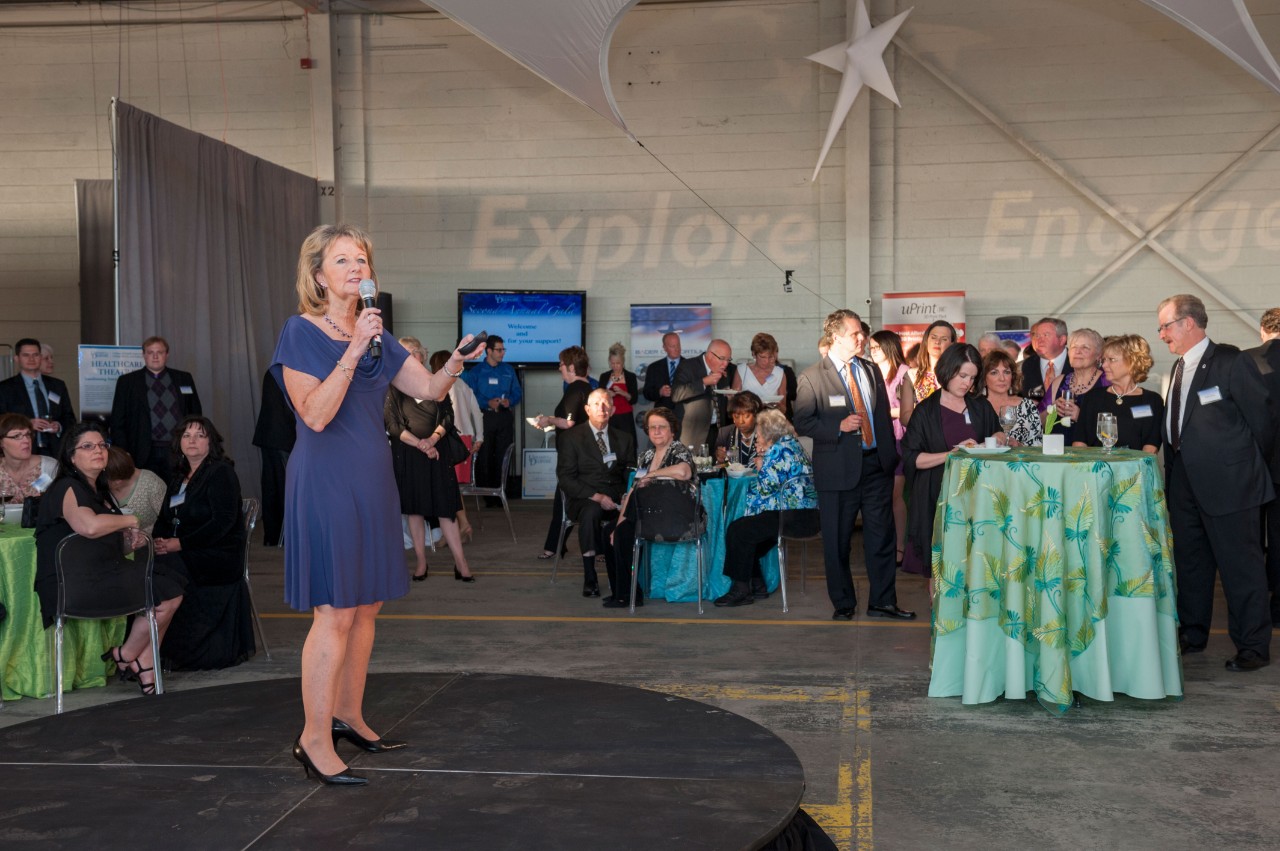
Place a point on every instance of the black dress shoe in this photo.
(1247, 660)
(760, 591)
(1188, 648)
(619, 603)
(735, 599)
(342, 730)
(890, 612)
(591, 589)
(843, 615)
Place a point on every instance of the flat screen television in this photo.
(535, 324)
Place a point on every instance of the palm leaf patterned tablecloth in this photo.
(1042, 545)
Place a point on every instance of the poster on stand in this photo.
(100, 366)
(651, 322)
(908, 314)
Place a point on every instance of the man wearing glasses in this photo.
(497, 389)
(42, 398)
(1216, 430)
(697, 407)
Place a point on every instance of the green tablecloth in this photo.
(26, 648)
(1053, 574)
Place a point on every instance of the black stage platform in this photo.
(494, 762)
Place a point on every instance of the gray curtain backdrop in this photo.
(95, 220)
(209, 240)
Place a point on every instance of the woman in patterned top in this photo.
(137, 491)
(22, 474)
(999, 382)
(784, 483)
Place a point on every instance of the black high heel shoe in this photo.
(124, 667)
(458, 576)
(342, 730)
(342, 778)
(147, 688)
(423, 577)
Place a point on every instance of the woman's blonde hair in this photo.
(312, 298)
(617, 350)
(771, 424)
(1136, 353)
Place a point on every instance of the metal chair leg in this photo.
(506, 508)
(555, 566)
(57, 665)
(257, 621)
(635, 571)
(782, 571)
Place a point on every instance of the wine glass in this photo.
(1008, 417)
(1108, 431)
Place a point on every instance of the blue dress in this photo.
(342, 538)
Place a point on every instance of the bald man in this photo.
(700, 411)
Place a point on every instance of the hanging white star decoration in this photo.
(861, 59)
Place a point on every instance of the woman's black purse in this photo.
(451, 448)
(667, 510)
(30, 511)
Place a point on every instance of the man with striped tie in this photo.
(661, 374)
(42, 398)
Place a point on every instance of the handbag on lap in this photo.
(666, 510)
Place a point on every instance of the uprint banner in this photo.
(100, 366)
(908, 314)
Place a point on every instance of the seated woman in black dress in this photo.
(201, 525)
(78, 501)
(736, 443)
(954, 416)
(1126, 360)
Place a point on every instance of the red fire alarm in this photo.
(305, 62)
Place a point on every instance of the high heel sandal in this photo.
(342, 778)
(123, 670)
(147, 688)
(343, 730)
(423, 576)
(457, 574)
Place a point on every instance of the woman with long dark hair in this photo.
(885, 348)
(938, 337)
(79, 501)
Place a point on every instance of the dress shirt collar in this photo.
(1191, 360)
(1059, 364)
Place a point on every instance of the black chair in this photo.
(78, 596)
(249, 508)
(665, 513)
(500, 492)
(795, 525)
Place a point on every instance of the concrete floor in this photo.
(886, 766)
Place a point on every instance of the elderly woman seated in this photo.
(78, 501)
(666, 460)
(137, 491)
(736, 443)
(22, 474)
(201, 526)
(784, 482)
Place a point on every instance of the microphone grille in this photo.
(368, 289)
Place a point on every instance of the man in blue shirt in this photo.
(497, 390)
(42, 398)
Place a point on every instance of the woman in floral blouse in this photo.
(22, 474)
(784, 483)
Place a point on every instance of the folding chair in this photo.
(652, 500)
(249, 508)
(78, 596)
(783, 537)
(566, 523)
(500, 491)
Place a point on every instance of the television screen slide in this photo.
(535, 325)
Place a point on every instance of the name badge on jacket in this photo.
(1141, 412)
(177, 499)
(54, 398)
(610, 458)
(186, 390)
(836, 401)
(1209, 395)
(493, 381)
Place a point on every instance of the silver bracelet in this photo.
(445, 369)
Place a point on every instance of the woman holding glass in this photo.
(1084, 353)
(343, 554)
(575, 367)
(22, 473)
(1139, 413)
(937, 338)
(1019, 417)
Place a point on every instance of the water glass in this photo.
(1108, 431)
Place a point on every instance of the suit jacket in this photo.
(277, 427)
(655, 378)
(131, 416)
(15, 399)
(693, 400)
(211, 528)
(1223, 442)
(837, 456)
(1030, 372)
(1266, 359)
(580, 468)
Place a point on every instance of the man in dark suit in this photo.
(149, 405)
(1045, 359)
(698, 409)
(42, 398)
(661, 374)
(1267, 360)
(842, 403)
(591, 468)
(274, 434)
(1216, 430)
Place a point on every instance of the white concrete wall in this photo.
(473, 173)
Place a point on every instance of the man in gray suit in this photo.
(693, 393)
(1216, 432)
(841, 403)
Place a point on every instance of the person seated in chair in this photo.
(202, 525)
(22, 472)
(666, 459)
(592, 465)
(736, 442)
(784, 482)
(137, 491)
(78, 501)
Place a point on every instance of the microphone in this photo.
(368, 297)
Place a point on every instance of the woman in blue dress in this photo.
(342, 537)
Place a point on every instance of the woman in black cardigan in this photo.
(201, 523)
(953, 416)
